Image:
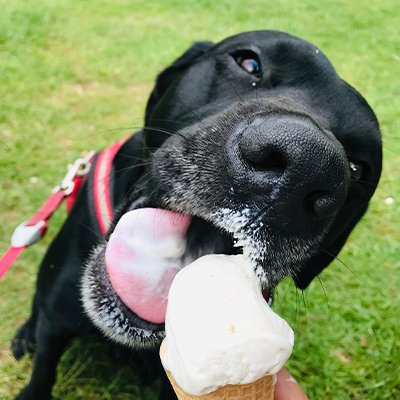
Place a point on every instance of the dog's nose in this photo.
(298, 170)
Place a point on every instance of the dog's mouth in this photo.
(126, 281)
(149, 246)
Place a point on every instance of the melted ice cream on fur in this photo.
(219, 329)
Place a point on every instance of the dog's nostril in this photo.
(321, 203)
(266, 160)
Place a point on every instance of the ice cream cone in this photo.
(263, 389)
(221, 334)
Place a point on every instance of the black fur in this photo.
(264, 158)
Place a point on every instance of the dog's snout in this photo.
(298, 168)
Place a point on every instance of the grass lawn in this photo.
(75, 75)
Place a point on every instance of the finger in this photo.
(287, 388)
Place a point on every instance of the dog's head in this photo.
(261, 148)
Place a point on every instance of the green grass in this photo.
(75, 75)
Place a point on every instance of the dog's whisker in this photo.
(136, 188)
(141, 164)
(174, 121)
(124, 170)
(116, 129)
(121, 129)
(297, 303)
(363, 182)
(134, 128)
(323, 289)
(303, 295)
(155, 190)
(153, 128)
(160, 130)
(257, 99)
(134, 158)
(89, 228)
(141, 183)
(227, 79)
(340, 261)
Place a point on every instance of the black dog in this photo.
(260, 141)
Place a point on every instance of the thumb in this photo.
(286, 387)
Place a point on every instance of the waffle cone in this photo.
(263, 389)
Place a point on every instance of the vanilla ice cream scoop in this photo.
(219, 329)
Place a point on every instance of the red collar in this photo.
(102, 172)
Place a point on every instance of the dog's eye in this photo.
(356, 171)
(248, 61)
(250, 65)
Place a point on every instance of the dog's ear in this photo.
(329, 252)
(166, 77)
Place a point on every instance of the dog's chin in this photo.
(224, 231)
(109, 313)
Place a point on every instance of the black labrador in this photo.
(267, 149)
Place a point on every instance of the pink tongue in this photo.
(143, 256)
